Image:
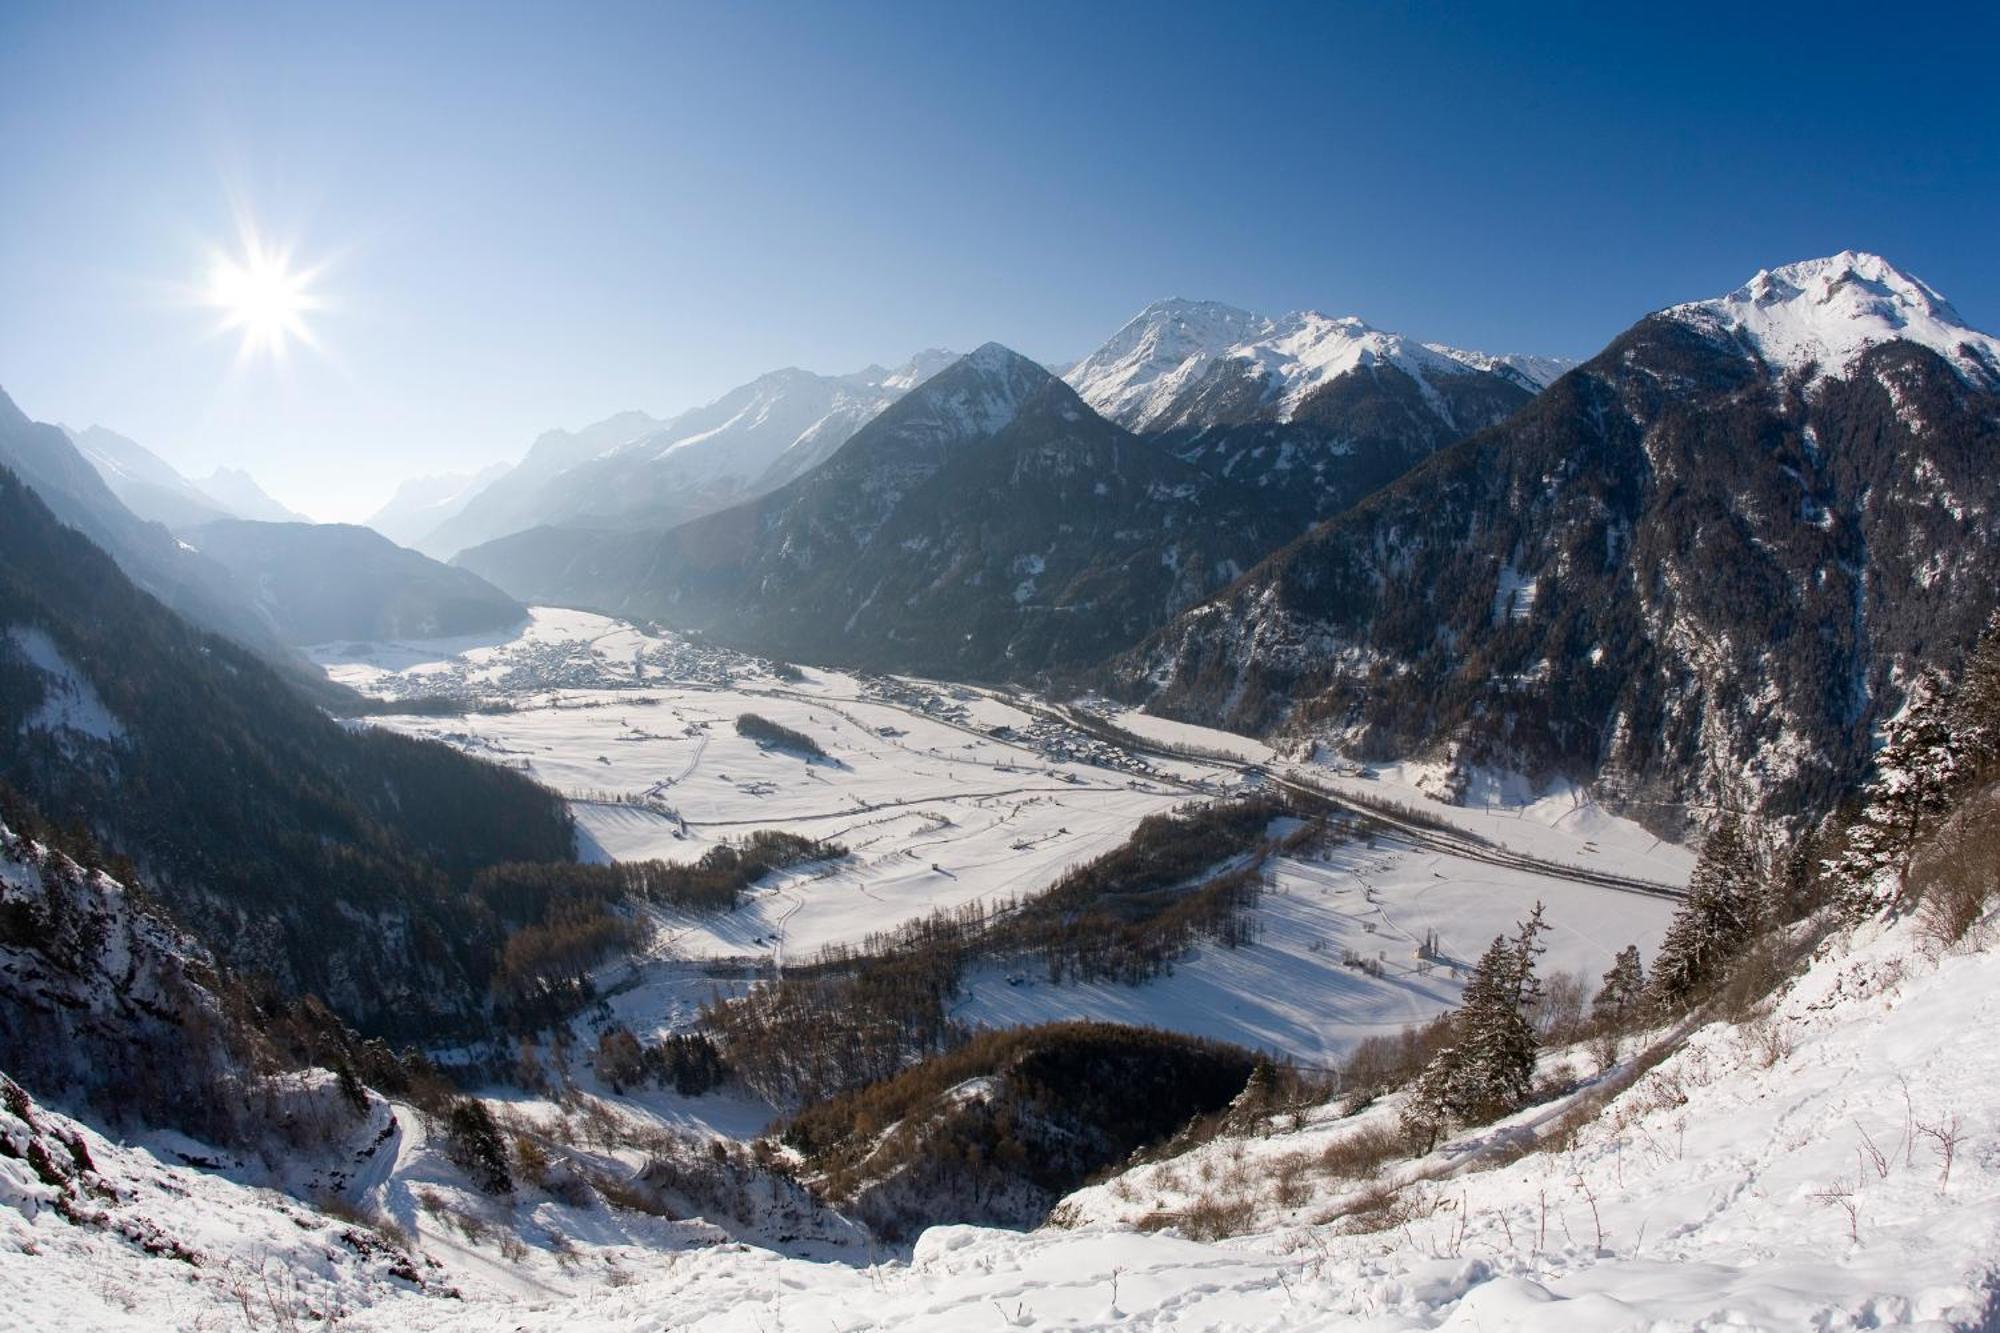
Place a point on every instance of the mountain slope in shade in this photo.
(143, 481)
(330, 860)
(324, 581)
(1683, 573)
(169, 569)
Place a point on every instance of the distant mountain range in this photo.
(632, 471)
(1251, 382)
(1695, 570)
(266, 585)
(1012, 546)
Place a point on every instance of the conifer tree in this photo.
(1915, 773)
(1715, 923)
(1976, 705)
(1618, 999)
(1489, 1069)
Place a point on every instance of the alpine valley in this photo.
(1272, 824)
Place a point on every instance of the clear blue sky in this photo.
(537, 216)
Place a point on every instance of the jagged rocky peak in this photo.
(1819, 315)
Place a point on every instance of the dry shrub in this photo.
(531, 1161)
(1212, 1217)
(1361, 1154)
(1288, 1176)
(1384, 1206)
(1953, 877)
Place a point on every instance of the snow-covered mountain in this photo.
(1177, 362)
(1819, 316)
(421, 504)
(746, 443)
(238, 492)
(146, 483)
(1669, 575)
(643, 473)
(150, 486)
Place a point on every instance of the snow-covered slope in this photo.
(1788, 1173)
(1144, 376)
(781, 424)
(1822, 314)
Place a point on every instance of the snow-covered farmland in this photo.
(945, 795)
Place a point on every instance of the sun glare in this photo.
(263, 296)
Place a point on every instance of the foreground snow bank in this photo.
(1787, 1173)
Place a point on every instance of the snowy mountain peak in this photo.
(1144, 375)
(1824, 313)
(980, 393)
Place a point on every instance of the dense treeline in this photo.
(999, 1129)
(565, 918)
(332, 860)
(766, 732)
(688, 1062)
(852, 1016)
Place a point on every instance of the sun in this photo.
(260, 293)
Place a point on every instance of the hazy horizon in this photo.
(489, 253)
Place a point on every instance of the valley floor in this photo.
(946, 795)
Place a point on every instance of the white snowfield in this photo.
(1833, 1165)
(937, 811)
(1824, 313)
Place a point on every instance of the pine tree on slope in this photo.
(1915, 772)
(1489, 1069)
(1976, 706)
(1618, 999)
(1715, 923)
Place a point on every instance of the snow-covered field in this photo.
(945, 795)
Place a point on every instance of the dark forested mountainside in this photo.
(1347, 439)
(332, 860)
(1679, 573)
(318, 582)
